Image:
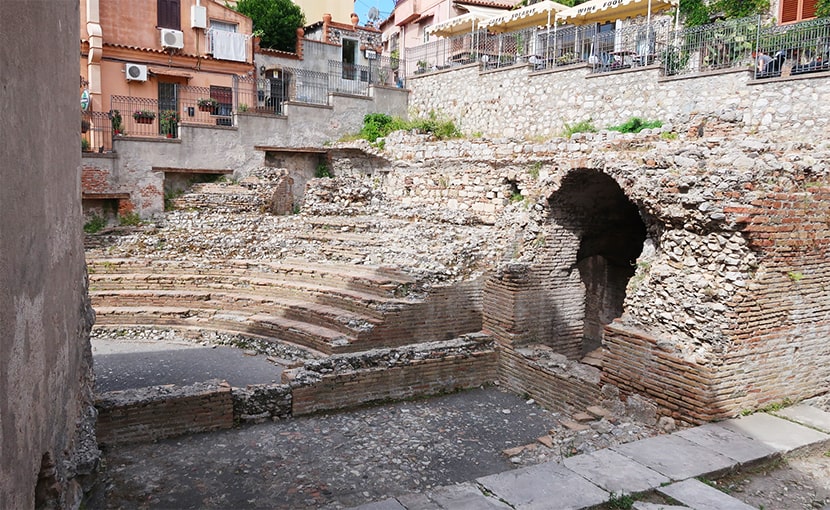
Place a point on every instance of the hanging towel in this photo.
(228, 45)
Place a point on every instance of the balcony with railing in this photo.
(783, 50)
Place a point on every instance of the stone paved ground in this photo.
(345, 459)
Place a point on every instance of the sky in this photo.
(361, 7)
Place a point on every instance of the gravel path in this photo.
(345, 459)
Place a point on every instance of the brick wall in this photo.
(428, 369)
(566, 388)
(635, 363)
(153, 413)
(782, 317)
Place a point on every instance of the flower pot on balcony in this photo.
(205, 108)
(144, 120)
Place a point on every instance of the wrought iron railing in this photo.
(356, 79)
(716, 46)
(96, 132)
(139, 115)
(793, 49)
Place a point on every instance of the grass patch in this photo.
(668, 136)
(129, 219)
(534, 169)
(584, 126)
(94, 224)
(795, 276)
(636, 124)
(379, 125)
(620, 502)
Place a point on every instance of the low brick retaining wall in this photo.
(149, 414)
(432, 368)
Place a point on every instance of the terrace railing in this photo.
(96, 132)
(794, 49)
(716, 46)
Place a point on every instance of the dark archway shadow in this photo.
(595, 210)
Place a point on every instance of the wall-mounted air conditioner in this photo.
(172, 38)
(135, 72)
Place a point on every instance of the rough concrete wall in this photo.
(201, 147)
(45, 369)
(517, 103)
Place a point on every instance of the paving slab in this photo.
(807, 415)
(675, 457)
(546, 486)
(464, 496)
(699, 496)
(614, 472)
(785, 436)
(386, 504)
(734, 445)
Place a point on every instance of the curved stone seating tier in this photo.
(330, 308)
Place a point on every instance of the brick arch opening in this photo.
(610, 234)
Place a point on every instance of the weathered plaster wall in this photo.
(218, 148)
(46, 417)
(515, 102)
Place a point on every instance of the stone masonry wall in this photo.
(517, 103)
(727, 298)
(48, 453)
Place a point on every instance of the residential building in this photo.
(408, 24)
(163, 56)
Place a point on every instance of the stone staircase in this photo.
(332, 309)
(321, 281)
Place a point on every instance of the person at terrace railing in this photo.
(761, 60)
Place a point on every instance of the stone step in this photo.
(345, 322)
(370, 279)
(355, 301)
(318, 338)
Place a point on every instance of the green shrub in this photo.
(584, 126)
(379, 125)
(636, 124)
(94, 224)
(322, 171)
(130, 219)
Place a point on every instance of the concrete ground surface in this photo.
(121, 365)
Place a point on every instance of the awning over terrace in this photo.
(538, 14)
(601, 11)
(464, 23)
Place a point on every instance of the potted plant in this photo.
(144, 116)
(169, 120)
(422, 66)
(116, 122)
(207, 104)
(394, 60)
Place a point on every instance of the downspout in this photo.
(96, 49)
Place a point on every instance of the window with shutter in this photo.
(169, 14)
(797, 10)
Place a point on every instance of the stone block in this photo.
(546, 486)
(699, 496)
(675, 457)
(614, 472)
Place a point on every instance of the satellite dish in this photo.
(373, 14)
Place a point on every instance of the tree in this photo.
(700, 12)
(277, 20)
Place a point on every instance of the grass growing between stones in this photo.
(379, 125)
(584, 126)
(635, 125)
(94, 224)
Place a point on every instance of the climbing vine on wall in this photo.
(699, 12)
(822, 8)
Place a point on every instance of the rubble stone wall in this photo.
(48, 453)
(516, 102)
(153, 413)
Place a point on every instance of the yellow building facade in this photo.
(340, 10)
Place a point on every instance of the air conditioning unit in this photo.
(135, 72)
(172, 38)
